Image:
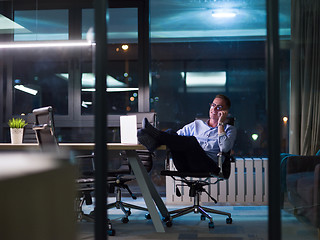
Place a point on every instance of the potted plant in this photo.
(16, 129)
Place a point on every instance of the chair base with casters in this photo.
(115, 185)
(118, 178)
(196, 187)
(86, 187)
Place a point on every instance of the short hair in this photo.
(226, 100)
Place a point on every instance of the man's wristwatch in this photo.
(220, 124)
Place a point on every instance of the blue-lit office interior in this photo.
(171, 58)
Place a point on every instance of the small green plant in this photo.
(17, 123)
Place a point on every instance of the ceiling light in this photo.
(223, 14)
(44, 44)
(205, 79)
(26, 89)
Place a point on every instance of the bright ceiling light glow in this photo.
(44, 44)
(88, 80)
(26, 89)
(223, 14)
(205, 79)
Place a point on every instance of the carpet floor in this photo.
(248, 223)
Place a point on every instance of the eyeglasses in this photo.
(213, 105)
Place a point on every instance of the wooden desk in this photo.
(148, 190)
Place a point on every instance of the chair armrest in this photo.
(296, 164)
(222, 157)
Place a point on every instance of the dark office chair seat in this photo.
(196, 183)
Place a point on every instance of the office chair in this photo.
(196, 183)
(29, 135)
(118, 178)
(44, 129)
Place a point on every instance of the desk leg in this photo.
(147, 189)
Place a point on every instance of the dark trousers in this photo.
(187, 154)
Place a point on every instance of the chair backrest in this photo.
(29, 135)
(44, 128)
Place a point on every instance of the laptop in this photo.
(128, 129)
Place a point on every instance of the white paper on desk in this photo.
(128, 129)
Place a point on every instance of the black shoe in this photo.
(146, 140)
(148, 128)
(226, 167)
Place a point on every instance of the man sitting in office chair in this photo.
(194, 148)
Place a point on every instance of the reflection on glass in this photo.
(116, 90)
(300, 158)
(122, 78)
(41, 25)
(39, 83)
(219, 46)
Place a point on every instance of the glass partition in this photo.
(39, 25)
(39, 81)
(122, 79)
(300, 122)
(199, 41)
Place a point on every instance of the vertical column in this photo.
(100, 7)
(273, 113)
(144, 56)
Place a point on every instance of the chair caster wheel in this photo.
(203, 217)
(147, 216)
(111, 232)
(211, 225)
(169, 224)
(125, 220)
(229, 220)
(166, 219)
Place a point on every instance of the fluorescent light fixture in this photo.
(88, 83)
(111, 89)
(121, 89)
(88, 80)
(223, 14)
(205, 79)
(26, 89)
(85, 104)
(46, 44)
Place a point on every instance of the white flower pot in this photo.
(16, 135)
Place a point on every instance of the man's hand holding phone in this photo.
(222, 116)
